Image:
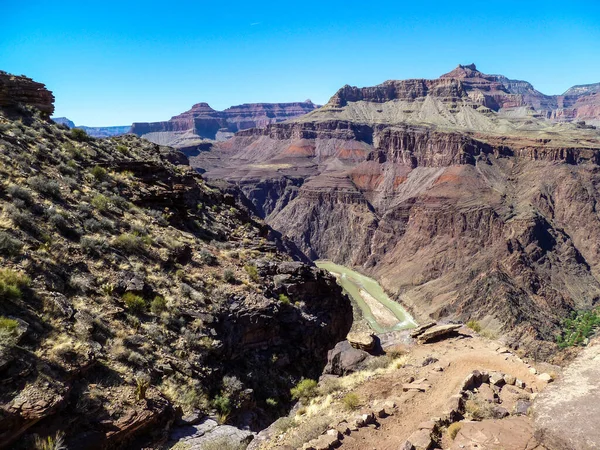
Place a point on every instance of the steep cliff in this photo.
(457, 194)
(132, 292)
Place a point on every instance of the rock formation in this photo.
(203, 122)
(462, 195)
(20, 90)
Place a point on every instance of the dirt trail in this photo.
(458, 357)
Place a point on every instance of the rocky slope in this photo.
(459, 194)
(97, 132)
(203, 122)
(131, 292)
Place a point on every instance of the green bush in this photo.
(131, 243)
(252, 272)
(304, 390)
(474, 325)
(7, 325)
(158, 304)
(351, 401)
(284, 299)
(101, 202)
(229, 276)
(12, 283)
(79, 135)
(578, 328)
(99, 173)
(134, 303)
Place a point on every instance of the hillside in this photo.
(132, 292)
(462, 195)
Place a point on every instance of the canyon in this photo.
(470, 196)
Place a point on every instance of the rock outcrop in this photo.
(460, 195)
(203, 122)
(20, 90)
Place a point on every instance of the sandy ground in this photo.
(384, 316)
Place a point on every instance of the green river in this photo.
(381, 313)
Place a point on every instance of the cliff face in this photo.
(130, 292)
(204, 122)
(16, 90)
(456, 194)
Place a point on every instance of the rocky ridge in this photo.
(97, 132)
(457, 194)
(133, 293)
(203, 122)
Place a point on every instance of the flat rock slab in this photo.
(515, 433)
(566, 412)
(438, 332)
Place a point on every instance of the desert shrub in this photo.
(56, 442)
(66, 169)
(131, 243)
(351, 401)
(283, 424)
(577, 329)
(222, 404)
(79, 135)
(99, 173)
(101, 202)
(252, 272)
(45, 186)
(122, 149)
(93, 246)
(378, 362)
(22, 219)
(59, 222)
(12, 283)
(304, 390)
(9, 246)
(8, 326)
(208, 258)
(284, 299)
(142, 383)
(479, 409)
(19, 192)
(474, 325)
(453, 429)
(229, 276)
(158, 304)
(134, 303)
(310, 430)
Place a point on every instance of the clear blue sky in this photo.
(113, 63)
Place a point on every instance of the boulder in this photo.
(362, 340)
(420, 440)
(438, 332)
(344, 359)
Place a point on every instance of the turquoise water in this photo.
(353, 282)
